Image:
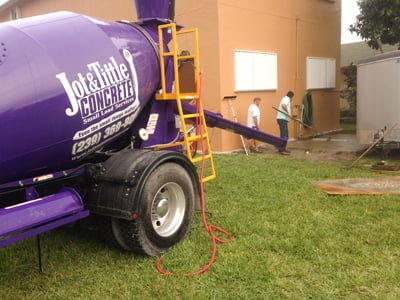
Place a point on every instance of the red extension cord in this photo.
(209, 228)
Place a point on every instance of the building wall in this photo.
(294, 29)
(96, 8)
(255, 28)
(204, 15)
(319, 35)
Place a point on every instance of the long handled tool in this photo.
(229, 99)
(301, 119)
(294, 119)
(370, 147)
(297, 120)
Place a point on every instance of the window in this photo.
(255, 71)
(15, 13)
(321, 73)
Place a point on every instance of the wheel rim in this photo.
(168, 209)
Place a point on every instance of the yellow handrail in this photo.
(176, 95)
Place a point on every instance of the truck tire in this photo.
(166, 207)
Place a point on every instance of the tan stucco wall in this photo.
(203, 14)
(319, 35)
(119, 10)
(294, 29)
(254, 28)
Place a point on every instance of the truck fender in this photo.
(130, 169)
(146, 198)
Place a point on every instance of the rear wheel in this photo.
(166, 206)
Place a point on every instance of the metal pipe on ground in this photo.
(370, 147)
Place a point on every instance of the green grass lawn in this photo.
(292, 241)
(348, 128)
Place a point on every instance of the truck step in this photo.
(33, 217)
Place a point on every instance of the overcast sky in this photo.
(349, 13)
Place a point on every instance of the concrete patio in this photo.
(335, 142)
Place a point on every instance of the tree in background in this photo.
(350, 92)
(378, 22)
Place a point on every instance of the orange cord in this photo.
(208, 228)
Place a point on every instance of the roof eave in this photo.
(8, 4)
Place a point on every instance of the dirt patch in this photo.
(314, 155)
(324, 155)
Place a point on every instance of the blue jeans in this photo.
(284, 132)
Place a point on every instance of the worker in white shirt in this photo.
(283, 117)
(253, 121)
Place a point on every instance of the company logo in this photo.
(105, 87)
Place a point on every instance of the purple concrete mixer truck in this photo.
(81, 129)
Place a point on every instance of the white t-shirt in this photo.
(252, 112)
(284, 101)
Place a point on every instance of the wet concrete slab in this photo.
(361, 186)
(336, 142)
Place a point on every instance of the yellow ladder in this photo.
(198, 117)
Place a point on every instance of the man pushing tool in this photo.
(283, 117)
